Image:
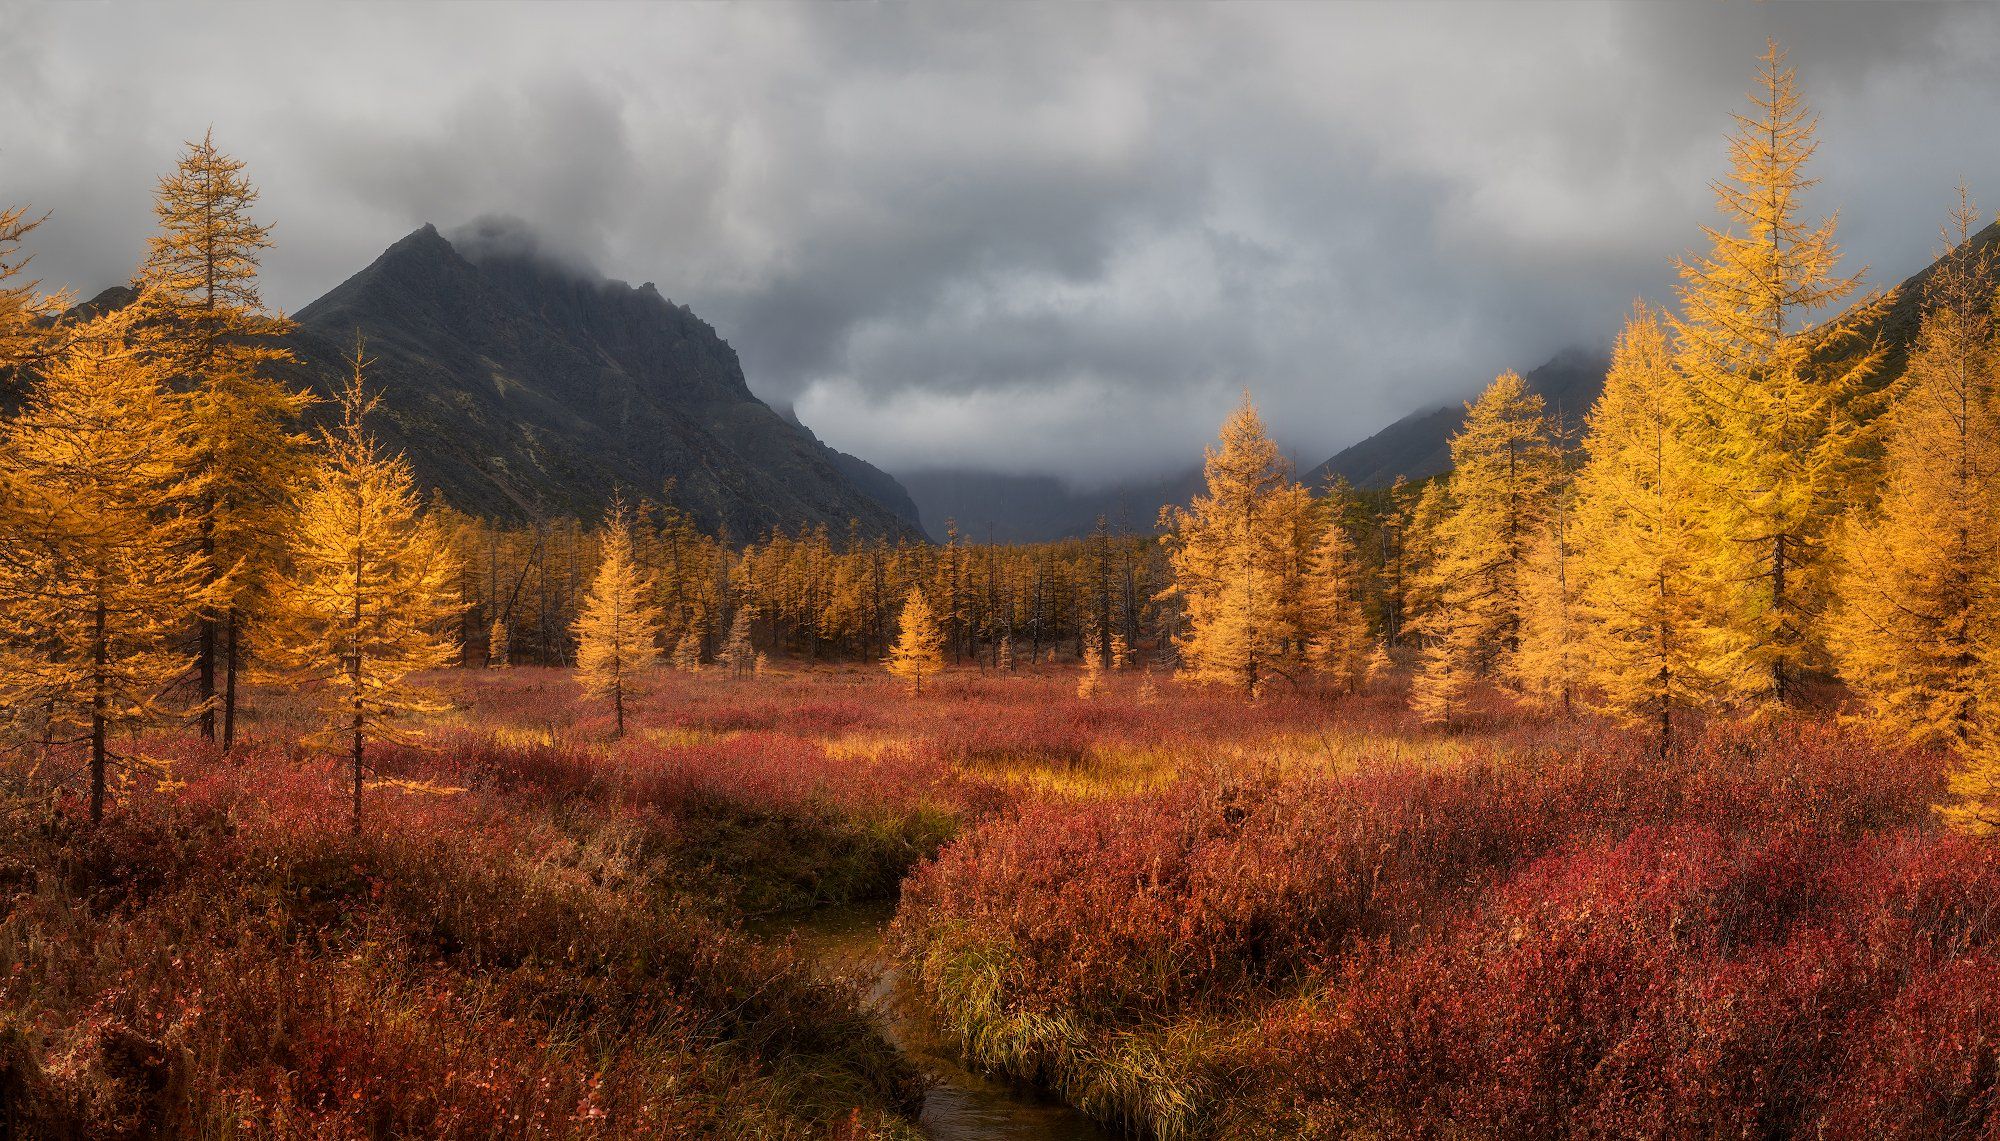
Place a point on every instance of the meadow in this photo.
(1185, 914)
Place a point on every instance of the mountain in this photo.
(877, 484)
(1416, 446)
(518, 387)
(1024, 508)
(1897, 326)
(1419, 445)
(1038, 508)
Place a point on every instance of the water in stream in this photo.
(961, 1105)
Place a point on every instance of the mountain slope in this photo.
(1419, 445)
(518, 388)
(1038, 508)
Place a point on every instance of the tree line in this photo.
(1755, 505)
(166, 528)
(808, 595)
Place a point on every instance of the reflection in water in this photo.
(961, 1105)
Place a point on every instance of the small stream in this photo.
(961, 1105)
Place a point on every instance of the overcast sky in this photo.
(1027, 238)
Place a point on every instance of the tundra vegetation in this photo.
(1634, 785)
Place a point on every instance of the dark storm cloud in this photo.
(1026, 237)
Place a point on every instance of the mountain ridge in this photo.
(1418, 446)
(518, 388)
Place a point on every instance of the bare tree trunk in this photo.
(1778, 671)
(229, 680)
(205, 676)
(357, 763)
(100, 659)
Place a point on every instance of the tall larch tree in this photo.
(618, 630)
(369, 595)
(1233, 557)
(1419, 552)
(26, 340)
(1338, 643)
(1775, 397)
(1917, 624)
(1639, 527)
(205, 319)
(26, 332)
(1505, 470)
(918, 652)
(98, 570)
(1546, 669)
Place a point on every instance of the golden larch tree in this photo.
(618, 629)
(369, 592)
(1234, 558)
(1639, 531)
(1774, 398)
(918, 653)
(1419, 552)
(26, 313)
(1090, 678)
(687, 649)
(1338, 642)
(99, 572)
(739, 652)
(1546, 669)
(205, 320)
(1505, 470)
(1918, 614)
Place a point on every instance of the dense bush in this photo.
(225, 960)
(1581, 936)
(1301, 917)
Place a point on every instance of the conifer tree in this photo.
(1504, 474)
(1233, 552)
(918, 654)
(1422, 549)
(1639, 533)
(204, 318)
(98, 571)
(496, 645)
(1776, 400)
(1918, 619)
(1337, 618)
(1380, 665)
(25, 312)
(738, 654)
(1003, 658)
(687, 649)
(369, 595)
(618, 630)
(1090, 681)
(1547, 668)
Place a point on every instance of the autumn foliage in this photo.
(1630, 781)
(1558, 930)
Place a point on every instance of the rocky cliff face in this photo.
(518, 387)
